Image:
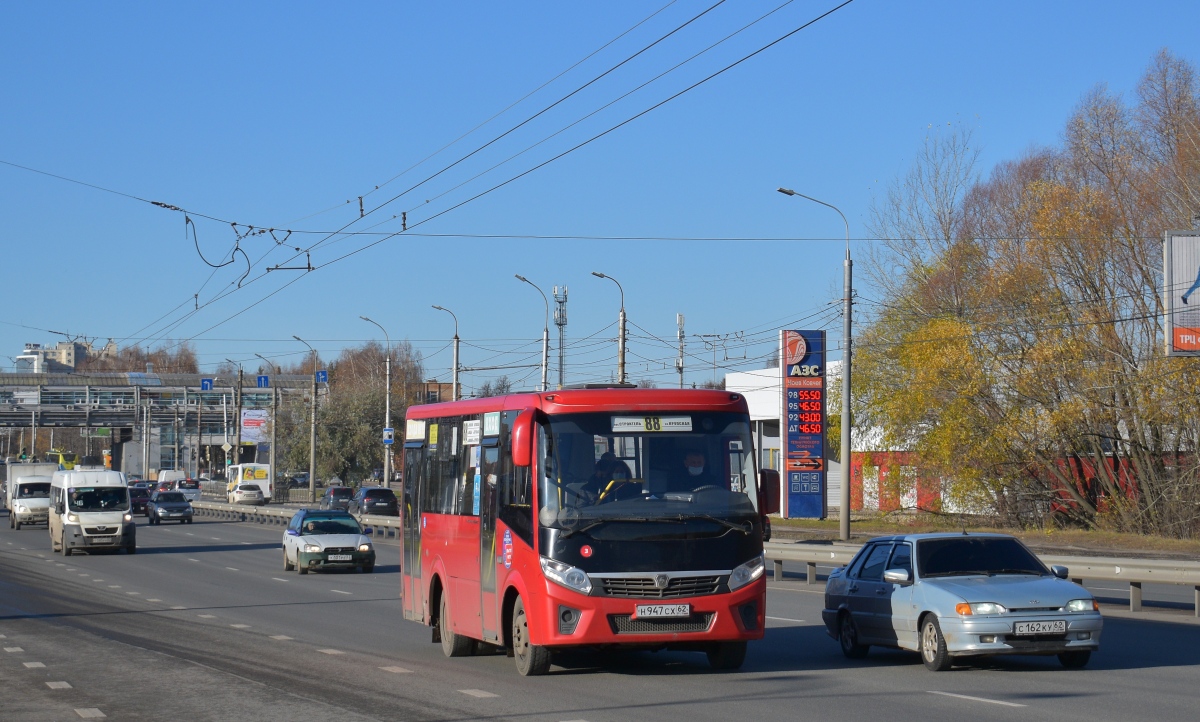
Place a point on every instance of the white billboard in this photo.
(1181, 292)
(255, 426)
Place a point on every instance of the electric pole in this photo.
(560, 320)
(679, 361)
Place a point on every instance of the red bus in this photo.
(586, 518)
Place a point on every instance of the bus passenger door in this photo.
(488, 474)
(411, 589)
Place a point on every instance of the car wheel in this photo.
(933, 646)
(302, 568)
(453, 645)
(14, 524)
(848, 638)
(131, 549)
(727, 655)
(189, 521)
(1075, 660)
(531, 659)
(10, 520)
(62, 544)
(287, 563)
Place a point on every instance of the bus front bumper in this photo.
(77, 536)
(568, 618)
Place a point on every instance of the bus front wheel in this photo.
(453, 645)
(531, 659)
(727, 655)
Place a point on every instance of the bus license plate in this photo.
(102, 539)
(1052, 627)
(659, 611)
(340, 557)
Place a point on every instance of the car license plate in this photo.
(658, 611)
(340, 557)
(1057, 626)
(101, 539)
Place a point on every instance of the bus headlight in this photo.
(72, 518)
(572, 578)
(746, 573)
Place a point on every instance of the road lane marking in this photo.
(785, 619)
(478, 693)
(207, 616)
(232, 569)
(189, 533)
(216, 538)
(192, 560)
(13, 649)
(339, 591)
(396, 670)
(240, 626)
(330, 651)
(60, 564)
(114, 586)
(71, 569)
(279, 580)
(153, 600)
(976, 699)
(82, 574)
(280, 637)
(247, 543)
(178, 607)
(35, 665)
(133, 592)
(90, 713)
(3, 636)
(58, 685)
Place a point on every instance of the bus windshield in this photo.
(99, 498)
(644, 467)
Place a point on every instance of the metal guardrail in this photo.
(390, 525)
(1134, 572)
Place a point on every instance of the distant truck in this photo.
(18, 471)
(27, 497)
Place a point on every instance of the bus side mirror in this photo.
(768, 491)
(522, 438)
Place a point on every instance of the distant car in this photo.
(190, 488)
(138, 497)
(246, 494)
(142, 485)
(956, 596)
(168, 506)
(374, 501)
(296, 479)
(318, 539)
(336, 497)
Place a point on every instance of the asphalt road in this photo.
(204, 624)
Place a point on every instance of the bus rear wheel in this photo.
(453, 645)
(531, 659)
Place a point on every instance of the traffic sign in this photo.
(389, 436)
(264, 382)
(226, 446)
(322, 377)
(206, 384)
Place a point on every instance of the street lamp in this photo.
(620, 329)
(545, 329)
(848, 288)
(237, 403)
(454, 376)
(312, 434)
(274, 419)
(387, 413)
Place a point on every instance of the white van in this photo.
(90, 510)
(256, 474)
(17, 471)
(29, 501)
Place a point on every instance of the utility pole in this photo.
(545, 333)
(274, 416)
(679, 361)
(237, 444)
(146, 442)
(560, 320)
(312, 434)
(175, 435)
(620, 329)
(387, 408)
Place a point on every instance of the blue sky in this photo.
(275, 115)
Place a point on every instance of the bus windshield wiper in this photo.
(597, 522)
(744, 527)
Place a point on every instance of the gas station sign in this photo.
(803, 423)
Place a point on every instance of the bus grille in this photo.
(644, 588)
(102, 530)
(626, 624)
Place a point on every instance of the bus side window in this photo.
(515, 485)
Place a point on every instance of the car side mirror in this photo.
(897, 576)
(1059, 571)
(768, 492)
(369, 531)
(292, 532)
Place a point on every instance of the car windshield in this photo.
(251, 488)
(668, 466)
(330, 525)
(34, 491)
(170, 496)
(189, 484)
(965, 556)
(341, 493)
(138, 493)
(99, 498)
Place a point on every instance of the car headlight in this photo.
(22, 508)
(128, 516)
(746, 573)
(572, 578)
(72, 517)
(979, 608)
(364, 547)
(312, 547)
(1083, 605)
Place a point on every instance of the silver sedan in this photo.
(959, 595)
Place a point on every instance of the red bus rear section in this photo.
(586, 518)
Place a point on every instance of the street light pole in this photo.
(312, 434)
(454, 376)
(620, 329)
(237, 443)
(387, 412)
(545, 331)
(848, 342)
(274, 419)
